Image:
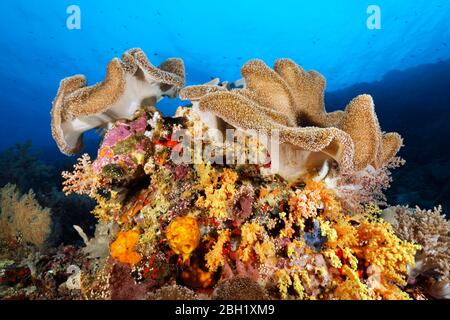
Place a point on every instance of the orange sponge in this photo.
(183, 235)
(123, 249)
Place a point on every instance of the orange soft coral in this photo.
(123, 249)
(363, 243)
(304, 204)
(384, 249)
(216, 199)
(331, 206)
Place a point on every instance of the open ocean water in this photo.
(398, 51)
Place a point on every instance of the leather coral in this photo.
(290, 100)
(130, 83)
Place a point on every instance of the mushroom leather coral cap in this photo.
(130, 83)
(291, 101)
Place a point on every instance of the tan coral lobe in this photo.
(170, 72)
(308, 91)
(195, 93)
(361, 123)
(269, 87)
(391, 144)
(291, 100)
(287, 99)
(94, 99)
(66, 87)
(129, 84)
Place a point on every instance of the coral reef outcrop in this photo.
(175, 224)
(231, 231)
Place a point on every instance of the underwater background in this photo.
(404, 65)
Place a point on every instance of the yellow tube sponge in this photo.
(183, 235)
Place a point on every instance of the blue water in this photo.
(405, 66)
(213, 37)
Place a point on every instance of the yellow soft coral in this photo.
(327, 230)
(106, 208)
(254, 239)
(333, 258)
(331, 206)
(293, 247)
(298, 286)
(368, 239)
(350, 257)
(228, 176)
(214, 258)
(215, 200)
(265, 250)
(284, 282)
(249, 235)
(384, 249)
(304, 204)
(296, 278)
(352, 288)
(346, 234)
(206, 174)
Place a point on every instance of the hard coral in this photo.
(173, 292)
(239, 288)
(431, 230)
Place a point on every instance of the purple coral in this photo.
(123, 131)
(243, 206)
(123, 286)
(139, 125)
(117, 134)
(180, 172)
